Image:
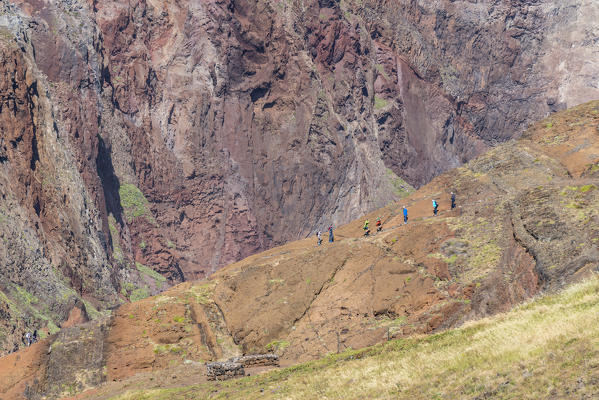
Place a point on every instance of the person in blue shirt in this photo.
(331, 237)
(435, 207)
(405, 215)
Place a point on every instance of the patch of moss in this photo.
(586, 188)
(379, 103)
(381, 70)
(179, 319)
(150, 273)
(134, 203)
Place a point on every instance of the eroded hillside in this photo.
(527, 221)
(544, 349)
(178, 137)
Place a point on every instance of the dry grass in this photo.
(547, 348)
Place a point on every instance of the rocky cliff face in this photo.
(146, 136)
(526, 222)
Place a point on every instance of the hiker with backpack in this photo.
(452, 200)
(405, 215)
(435, 207)
(379, 224)
(365, 228)
(319, 237)
(331, 237)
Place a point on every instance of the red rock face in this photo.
(197, 133)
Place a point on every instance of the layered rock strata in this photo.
(141, 136)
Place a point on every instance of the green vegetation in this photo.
(127, 288)
(381, 70)
(482, 253)
(555, 140)
(276, 281)
(202, 294)
(134, 203)
(26, 305)
(92, 312)
(150, 273)
(392, 325)
(379, 103)
(139, 294)
(400, 187)
(117, 252)
(170, 244)
(52, 328)
(449, 260)
(143, 245)
(586, 188)
(179, 319)
(543, 349)
(23, 296)
(549, 125)
(277, 345)
(168, 348)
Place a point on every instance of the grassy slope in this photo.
(543, 349)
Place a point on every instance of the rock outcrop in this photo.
(141, 137)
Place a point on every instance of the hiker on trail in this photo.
(28, 339)
(366, 229)
(379, 224)
(319, 236)
(405, 215)
(34, 338)
(452, 200)
(331, 237)
(435, 207)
